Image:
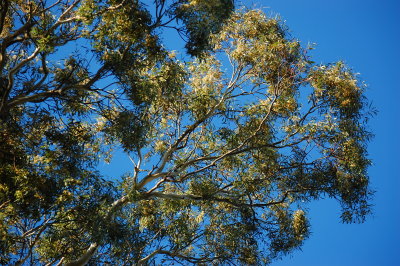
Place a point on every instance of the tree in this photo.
(227, 147)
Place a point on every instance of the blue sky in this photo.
(366, 35)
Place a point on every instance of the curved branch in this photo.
(85, 257)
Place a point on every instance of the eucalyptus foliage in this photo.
(227, 147)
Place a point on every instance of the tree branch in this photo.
(85, 257)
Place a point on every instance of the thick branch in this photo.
(85, 257)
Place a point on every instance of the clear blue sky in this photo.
(366, 35)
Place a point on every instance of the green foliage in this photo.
(202, 18)
(227, 147)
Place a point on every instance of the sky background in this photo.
(366, 35)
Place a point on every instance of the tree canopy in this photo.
(228, 144)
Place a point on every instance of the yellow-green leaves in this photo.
(206, 86)
(259, 45)
(339, 85)
(300, 225)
